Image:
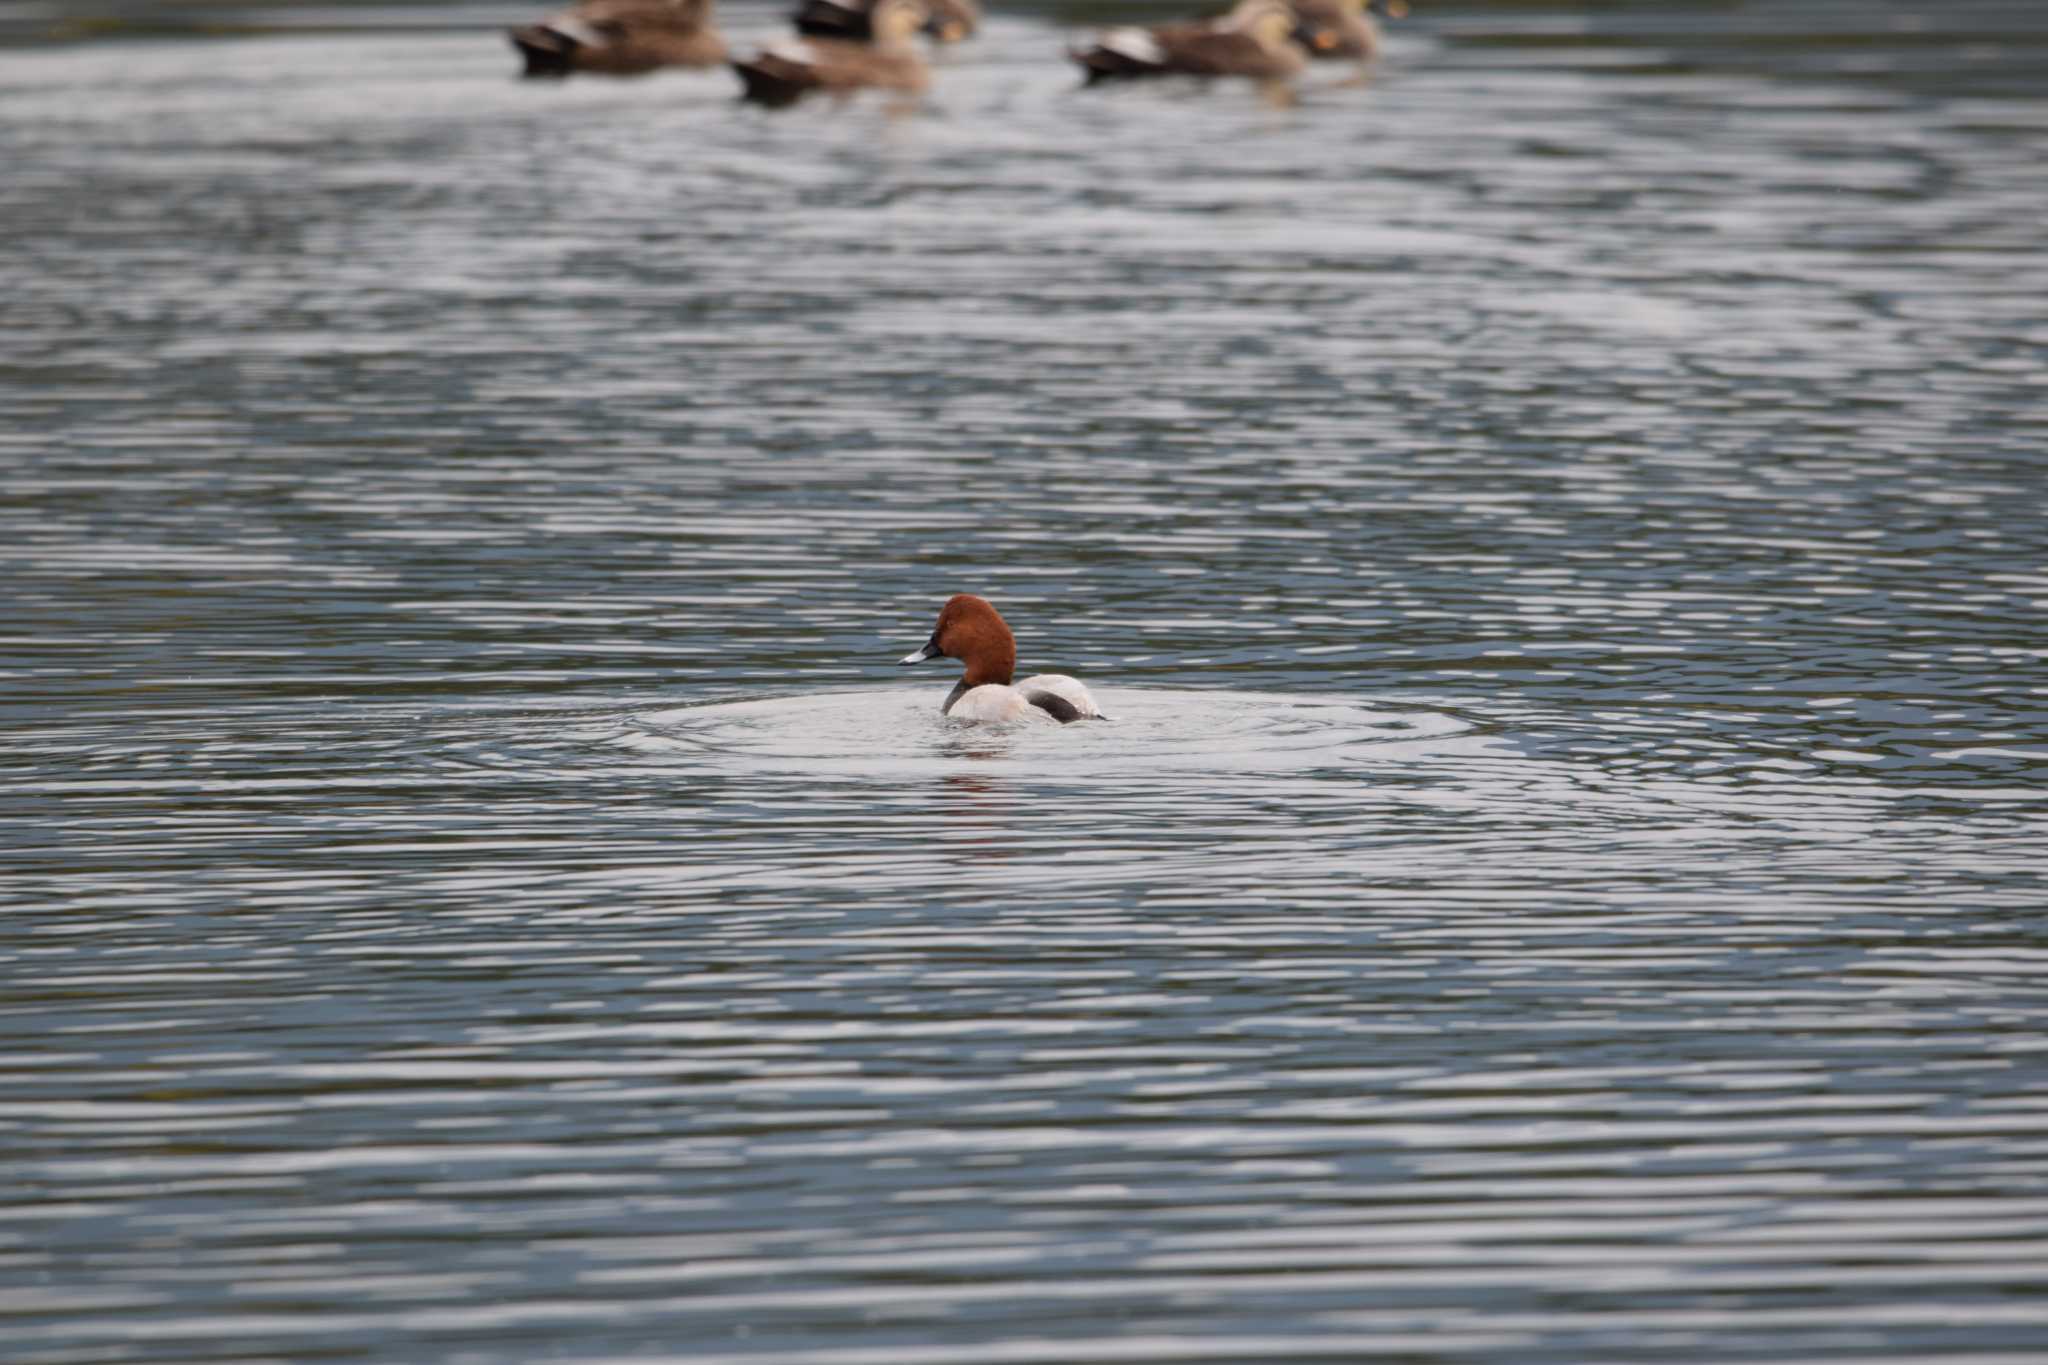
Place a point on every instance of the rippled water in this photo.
(1559, 528)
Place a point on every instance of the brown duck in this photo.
(951, 20)
(1255, 39)
(783, 73)
(1342, 28)
(621, 38)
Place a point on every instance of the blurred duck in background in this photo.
(1343, 29)
(1256, 40)
(852, 20)
(783, 73)
(621, 38)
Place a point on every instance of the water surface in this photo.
(1559, 528)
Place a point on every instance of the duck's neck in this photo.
(996, 669)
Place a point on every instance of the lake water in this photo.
(1559, 527)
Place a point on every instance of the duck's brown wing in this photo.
(785, 73)
(1183, 49)
(622, 14)
(1198, 51)
(617, 36)
(854, 66)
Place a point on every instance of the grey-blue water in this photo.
(1559, 526)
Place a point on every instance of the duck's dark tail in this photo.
(1095, 68)
(1101, 63)
(547, 53)
(831, 19)
(1058, 707)
(769, 82)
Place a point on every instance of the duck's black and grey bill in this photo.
(930, 651)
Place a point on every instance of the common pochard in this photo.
(971, 631)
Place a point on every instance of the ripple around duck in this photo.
(897, 728)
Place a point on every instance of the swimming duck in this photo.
(971, 630)
(621, 38)
(783, 73)
(951, 20)
(1255, 39)
(1342, 28)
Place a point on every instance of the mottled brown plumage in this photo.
(1254, 40)
(621, 38)
(785, 72)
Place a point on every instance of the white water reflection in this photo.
(900, 729)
